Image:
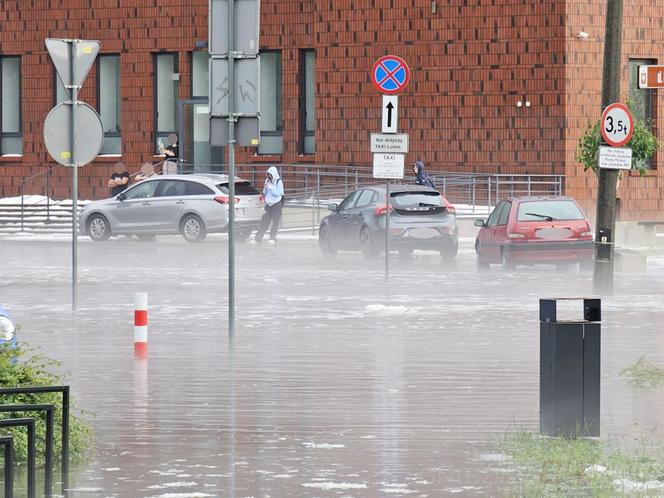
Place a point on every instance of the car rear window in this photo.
(417, 202)
(549, 211)
(241, 188)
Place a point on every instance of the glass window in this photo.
(108, 102)
(11, 141)
(241, 188)
(166, 96)
(505, 214)
(308, 93)
(549, 211)
(495, 214)
(349, 202)
(142, 190)
(365, 198)
(641, 99)
(172, 188)
(195, 188)
(199, 74)
(271, 122)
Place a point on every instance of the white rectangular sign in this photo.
(615, 157)
(390, 113)
(394, 144)
(388, 166)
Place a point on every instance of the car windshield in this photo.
(549, 211)
(416, 200)
(241, 188)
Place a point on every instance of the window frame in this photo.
(140, 185)
(110, 134)
(304, 133)
(155, 97)
(19, 133)
(191, 79)
(497, 211)
(354, 196)
(279, 108)
(507, 207)
(650, 100)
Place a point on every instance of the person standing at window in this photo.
(119, 179)
(172, 153)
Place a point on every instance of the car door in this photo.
(500, 230)
(169, 204)
(355, 215)
(338, 222)
(130, 212)
(489, 247)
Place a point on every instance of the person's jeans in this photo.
(272, 215)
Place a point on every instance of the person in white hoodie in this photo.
(273, 191)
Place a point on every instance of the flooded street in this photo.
(337, 384)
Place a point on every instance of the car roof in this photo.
(402, 188)
(529, 198)
(199, 177)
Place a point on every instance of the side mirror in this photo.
(480, 223)
(334, 207)
(121, 197)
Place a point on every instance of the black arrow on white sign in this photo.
(390, 113)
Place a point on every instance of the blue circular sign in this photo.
(390, 74)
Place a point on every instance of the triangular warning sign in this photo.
(84, 52)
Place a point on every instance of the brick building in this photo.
(471, 61)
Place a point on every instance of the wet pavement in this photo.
(337, 385)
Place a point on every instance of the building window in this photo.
(308, 95)
(108, 102)
(199, 74)
(271, 122)
(166, 91)
(11, 139)
(641, 99)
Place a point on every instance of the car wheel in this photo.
(192, 228)
(481, 263)
(325, 243)
(450, 252)
(98, 228)
(366, 244)
(507, 261)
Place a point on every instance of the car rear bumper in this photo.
(437, 243)
(550, 251)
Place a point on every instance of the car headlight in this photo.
(7, 329)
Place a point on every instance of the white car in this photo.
(190, 205)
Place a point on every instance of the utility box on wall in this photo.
(570, 353)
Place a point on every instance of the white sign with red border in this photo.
(616, 125)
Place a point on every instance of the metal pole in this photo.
(318, 196)
(65, 438)
(74, 187)
(231, 171)
(387, 230)
(8, 443)
(608, 178)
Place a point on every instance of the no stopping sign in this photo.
(616, 125)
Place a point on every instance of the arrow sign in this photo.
(390, 113)
(85, 52)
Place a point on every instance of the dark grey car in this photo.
(420, 218)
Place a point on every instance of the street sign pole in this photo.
(387, 231)
(74, 187)
(231, 171)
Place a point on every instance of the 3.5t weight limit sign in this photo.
(617, 125)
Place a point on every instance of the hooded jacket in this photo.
(422, 177)
(273, 190)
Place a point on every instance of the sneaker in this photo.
(272, 243)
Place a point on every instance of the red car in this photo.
(532, 230)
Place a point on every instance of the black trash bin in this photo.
(570, 370)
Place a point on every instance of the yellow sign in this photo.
(87, 50)
(255, 141)
(65, 154)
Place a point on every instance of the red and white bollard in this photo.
(141, 325)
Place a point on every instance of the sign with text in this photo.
(388, 166)
(651, 76)
(615, 158)
(395, 144)
(616, 125)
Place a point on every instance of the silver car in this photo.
(190, 205)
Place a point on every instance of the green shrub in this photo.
(23, 367)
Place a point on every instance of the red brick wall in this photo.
(640, 198)
(471, 62)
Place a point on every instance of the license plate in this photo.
(423, 233)
(553, 233)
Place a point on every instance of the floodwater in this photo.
(337, 384)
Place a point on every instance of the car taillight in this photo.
(586, 234)
(381, 210)
(516, 236)
(450, 208)
(222, 199)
